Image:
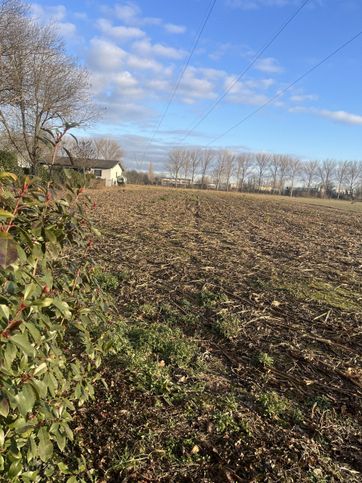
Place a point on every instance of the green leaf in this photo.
(29, 289)
(41, 369)
(4, 311)
(15, 469)
(10, 354)
(5, 214)
(63, 307)
(22, 341)
(2, 437)
(43, 302)
(96, 231)
(45, 447)
(36, 335)
(4, 407)
(33, 449)
(5, 174)
(8, 251)
(39, 387)
(21, 254)
(68, 431)
(51, 235)
(61, 440)
(25, 400)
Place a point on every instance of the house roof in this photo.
(84, 163)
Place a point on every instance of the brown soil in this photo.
(270, 293)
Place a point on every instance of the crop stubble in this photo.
(287, 278)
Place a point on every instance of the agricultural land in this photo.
(239, 343)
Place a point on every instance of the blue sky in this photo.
(135, 51)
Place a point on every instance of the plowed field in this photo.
(242, 317)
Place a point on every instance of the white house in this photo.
(111, 171)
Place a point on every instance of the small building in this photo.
(175, 182)
(111, 171)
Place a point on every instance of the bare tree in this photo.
(293, 171)
(150, 174)
(309, 173)
(284, 165)
(108, 149)
(354, 175)
(195, 160)
(243, 165)
(41, 86)
(206, 159)
(82, 150)
(219, 168)
(274, 167)
(262, 161)
(13, 34)
(341, 176)
(186, 163)
(223, 168)
(175, 163)
(326, 172)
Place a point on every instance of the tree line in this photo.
(264, 172)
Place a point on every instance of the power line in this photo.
(182, 73)
(247, 68)
(283, 91)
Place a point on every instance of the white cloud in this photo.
(337, 116)
(120, 32)
(174, 29)
(55, 15)
(255, 4)
(195, 85)
(131, 14)
(268, 65)
(146, 48)
(144, 63)
(66, 29)
(105, 55)
(304, 97)
(81, 15)
(128, 12)
(250, 92)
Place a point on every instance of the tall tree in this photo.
(206, 159)
(354, 176)
(341, 176)
(41, 87)
(274, 167)
(326, 172)
(175, 163)
(108, 149)
(284, 166)
(262, 161)
(186, 163)
(195, 160)
(293, 172)
(229, 167)
(150, 174)
(243, 165)
(309, 173)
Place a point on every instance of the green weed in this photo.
(265, 359)
(319, 291)
(227, 325)
(106, 280)
(274, 405)
(210, 299)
